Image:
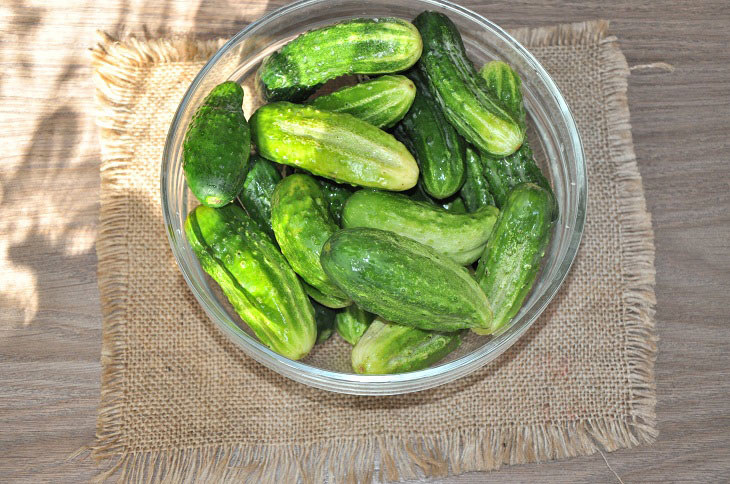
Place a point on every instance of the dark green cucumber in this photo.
(302, 223)
(257, 190)
(352, 322)
(382, 101)
(506, 85)
(511, 260)
(437, 147)
(356, 46)
(337, 146)
(326, 299)
(258, 281)
(503, 174)
(475, 191)
(325, 318)
(216, 147)
(453, 204)
(336, 195)
(404, 281)
(461, 237)
(391, 348)
(461, 92)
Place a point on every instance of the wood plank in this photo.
(50, 319)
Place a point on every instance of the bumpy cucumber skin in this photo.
(382, 101)
(475, 191)
(506, 85)
(336, 195)
(358, 46)
(352, 322)
(216, 147)
(337, 146)
(302, 223)
(257, 191)
(461, 237)
(436, 145)
(325, 318)
(503, 174)
(511, 260)
(404, 281)
(461, 92)
(326, 299)
(258, 281)
(391, 348)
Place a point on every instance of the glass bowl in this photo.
(553, 137)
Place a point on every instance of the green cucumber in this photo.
(503, 174)
(352, 322)
(257, 190)
(437, 147)
(506, 85)
(326, 299)
(453, 204)
(337, 146)
(461, 92)
(475, 191)
(336, 196)
(258, 281)
(216, 147)
(391, 348)
(325, 318)
(461, 237)
(357, 46)
(382, 101)
(404, 281)
(511, 260)
(302, 223)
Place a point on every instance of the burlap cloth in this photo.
(180, 402)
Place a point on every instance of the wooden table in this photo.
(50, 320)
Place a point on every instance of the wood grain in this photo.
(50, 322)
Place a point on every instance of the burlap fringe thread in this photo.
(353, 459)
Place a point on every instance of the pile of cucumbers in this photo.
(333, 246)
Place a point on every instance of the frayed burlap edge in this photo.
(116, 69)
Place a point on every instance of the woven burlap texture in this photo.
(179, 401)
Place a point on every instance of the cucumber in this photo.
(475, 191)
(511, 260)
(404, 281)
(337, 146)
(302, 223)
(506, 85)
(326, 299)
(255, 196)
(357, 46)
(461, 92)
(461, 237)
(258, 281)
(336, 196)
(352, 322)
(452, 204)
(437, 147)
(391, 348)
(503, 174)
(382, 101)
(216, 147)
(325, 318)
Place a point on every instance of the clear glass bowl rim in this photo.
(401, 382)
